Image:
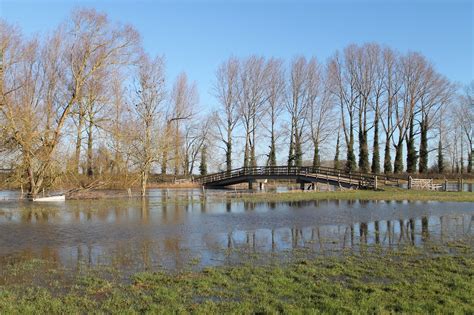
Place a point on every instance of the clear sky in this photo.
(195, 36)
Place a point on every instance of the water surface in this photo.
(174, 229)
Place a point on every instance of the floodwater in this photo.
(174, 229)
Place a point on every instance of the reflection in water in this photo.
(172, 228)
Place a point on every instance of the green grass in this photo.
(386, 194)
(408, 280)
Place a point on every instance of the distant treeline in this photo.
(87, 100)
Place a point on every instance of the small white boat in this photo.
(51, 198)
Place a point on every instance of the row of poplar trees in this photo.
(369, 95)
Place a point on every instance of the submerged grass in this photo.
(407, 280)
(388, 193)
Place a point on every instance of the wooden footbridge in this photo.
(301, 174)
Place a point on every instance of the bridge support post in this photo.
(302, 185)
(250, 185)
(262, 185)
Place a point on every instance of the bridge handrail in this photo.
(292, 170)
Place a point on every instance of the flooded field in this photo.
(175, 229)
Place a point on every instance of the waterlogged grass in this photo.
(388, 193)
(408, 280)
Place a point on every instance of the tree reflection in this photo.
(425, 233)
(377, 232)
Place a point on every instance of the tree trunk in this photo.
(423, 163)
(351, 159)
(376, 153)
(186, 165)
(246, 150)
(398, 163)
(469, 162)
(470, 157)
(77, 156)
(203, 165)
(90, 171)
(363, 147)
(253, 160)
(440, 157)
(316, 157)
(387, 159)
(164, 161)
(228, 153)
(272, 154)
(291, 148)
(363, 153)
(144, 179)
(164, 154)
(176, 146)
(411, 151)
(336, 155)
(298, 151)
(30, 175)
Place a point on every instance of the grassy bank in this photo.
(407, 280)
(387, 194)
(394, 194)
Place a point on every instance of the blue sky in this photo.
(195, 36)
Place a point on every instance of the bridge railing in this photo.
(363, 178)
(366, 180)
(387, 179)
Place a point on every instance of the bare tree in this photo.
(89, 44)
(275, 104)
(195, 138)
(253, 77)
(392, 86)
(343, 87)
(120, 114)
(338, 146)
(437, 94)
(297, 107)
(184, 98)
(227, 93)
(361, 67)
(375, 56)
(95, 100)
(21, 99)
(414, 68)
(148, 106)
(320, 107)
(464, 117)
